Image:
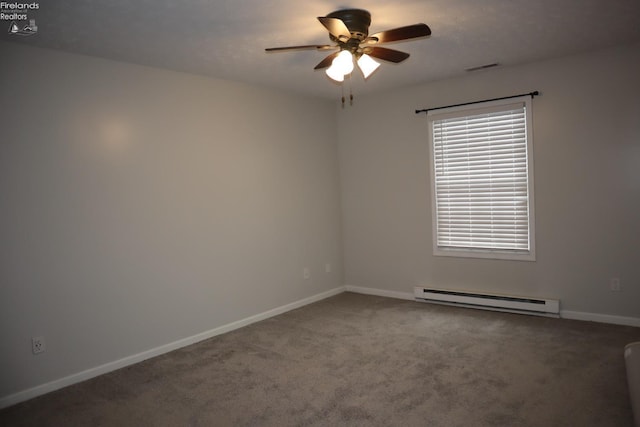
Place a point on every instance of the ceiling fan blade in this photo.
(302, 47)
(326, 62)
(336, 27)
(386, 54)
(401, 33)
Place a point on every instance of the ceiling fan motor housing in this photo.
(356, 20)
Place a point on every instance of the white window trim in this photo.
(485, 253)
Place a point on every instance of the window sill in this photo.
(485, 254)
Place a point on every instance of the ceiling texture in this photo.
(226, 38)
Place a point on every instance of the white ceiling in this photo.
(226, 38)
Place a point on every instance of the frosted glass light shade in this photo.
(367, 65)
(340, 66)
(344, 62)
(334, 73)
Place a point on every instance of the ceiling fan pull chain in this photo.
(350, 93)
(342, 89)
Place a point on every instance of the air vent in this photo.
(482, 67)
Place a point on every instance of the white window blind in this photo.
(481, 180)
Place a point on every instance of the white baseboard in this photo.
(601, 318)
(136, 358)
(380, 292)
(564, 314)
(39, 390)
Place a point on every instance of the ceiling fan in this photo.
(349, 31)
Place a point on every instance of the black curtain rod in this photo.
(531, 94)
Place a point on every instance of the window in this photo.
(482, 180)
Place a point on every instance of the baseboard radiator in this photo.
(511, 304)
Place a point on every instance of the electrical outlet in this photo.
(38, 345)
(306, 273)
(327, 268)
(614, 284)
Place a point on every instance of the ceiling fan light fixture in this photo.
(341, 66)
(367, 65)
(344, 62)
(334, 73)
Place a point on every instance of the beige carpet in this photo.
(360, 360)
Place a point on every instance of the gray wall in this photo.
(586, 130)
(141, 206)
